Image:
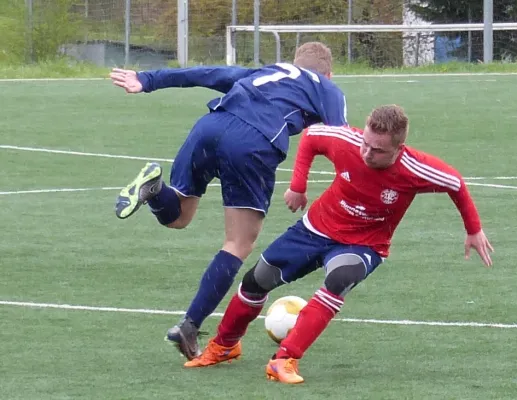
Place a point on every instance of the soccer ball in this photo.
(281, 316)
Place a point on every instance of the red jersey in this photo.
(364, 206)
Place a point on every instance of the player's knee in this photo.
(180, 223)
(241, 249)
(340, 279)
(261, 279)
(188, 211)
(250, 286)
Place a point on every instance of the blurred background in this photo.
(157, 33)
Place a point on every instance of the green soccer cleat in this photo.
(145, 186)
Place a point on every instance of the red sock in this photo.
(238, 315)
(311, 322)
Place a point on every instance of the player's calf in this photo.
(311, 322)
(243, 308)
(343, 273)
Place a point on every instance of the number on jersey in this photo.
(292, 72)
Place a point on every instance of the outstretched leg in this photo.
(242, 228)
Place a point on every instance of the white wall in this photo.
(418, 48)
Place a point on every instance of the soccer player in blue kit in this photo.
(241, 141)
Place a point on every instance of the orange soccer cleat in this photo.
(283, 370)
(214, 354)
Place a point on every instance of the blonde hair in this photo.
(314, 56)
(389, 120)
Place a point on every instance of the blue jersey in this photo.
(278, 100)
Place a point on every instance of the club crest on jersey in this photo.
(389, 196)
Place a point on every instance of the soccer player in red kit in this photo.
(347, 230)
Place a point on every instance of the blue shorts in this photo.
(299, 252)
(221, 145)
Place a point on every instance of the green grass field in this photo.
(61, 247)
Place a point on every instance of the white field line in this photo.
(218, 315)
(43, 80)
(57, 190)
(498, 178)
(491, 185)
(376, 76)
(423, 78)
(72, 190)
(62, 190)
(69, 190)
(104, 155)
(363, 81)
(81, 153)
(429, 75)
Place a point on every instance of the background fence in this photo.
(145, 32)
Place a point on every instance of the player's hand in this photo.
(295, 201)
(481, 244)
(126, 79)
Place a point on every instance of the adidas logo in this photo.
(345, 175)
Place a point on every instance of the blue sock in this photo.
(214, 285)
(166, 205)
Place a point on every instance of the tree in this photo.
(465, 11)
(379, 49)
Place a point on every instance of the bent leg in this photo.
(345, 266)
(194, 167)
